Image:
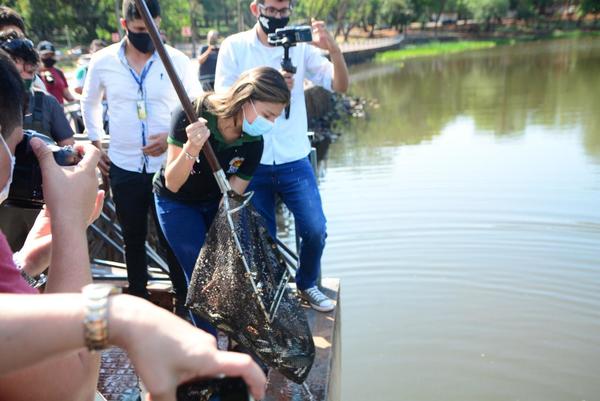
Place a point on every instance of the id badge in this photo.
(141, 110)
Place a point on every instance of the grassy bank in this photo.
(435, 48)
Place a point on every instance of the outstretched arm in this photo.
(324, 40)
(165, 350)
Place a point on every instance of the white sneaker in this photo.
(317, 300)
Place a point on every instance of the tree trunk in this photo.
(438, 16)
(347, 32)
(372, 31)
(340, 17)
(226, 13)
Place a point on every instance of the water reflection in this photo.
(505, 90)
(463, 220)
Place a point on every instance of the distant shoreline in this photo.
(437, 46)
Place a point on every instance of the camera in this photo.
(227, 389)
(290, 35)
(26, 187)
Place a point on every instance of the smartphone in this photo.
(227, 389)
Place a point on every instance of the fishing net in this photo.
(240, 286)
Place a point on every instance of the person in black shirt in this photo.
(185, 191)
(43, 114)
(208, 61)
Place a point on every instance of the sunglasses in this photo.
(20, 44)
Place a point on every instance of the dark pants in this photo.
(15, 223)
(132, 194)
(296, 184)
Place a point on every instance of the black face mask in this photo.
(48, 62)
(271, 24)
(141, 41)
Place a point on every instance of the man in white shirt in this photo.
(140, 97)
(285, 169)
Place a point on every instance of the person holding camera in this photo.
(140, 98)
(186, 193)
(44, 115)
(284, 169)
(208, 61)
(50, 339)
(60, 242)
(10, 20)
(54, 78)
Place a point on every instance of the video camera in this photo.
(26, 188)
(290, 35)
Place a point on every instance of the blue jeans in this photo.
(296, 184)
(185, 226)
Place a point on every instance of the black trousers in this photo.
(15, 223)
(132, 194)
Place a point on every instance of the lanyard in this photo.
(141, 103)
(140, 81)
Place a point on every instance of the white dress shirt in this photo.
(288, 140)
(109, 74)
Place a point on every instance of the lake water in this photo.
(464, 223)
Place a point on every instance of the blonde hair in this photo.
(262, 84)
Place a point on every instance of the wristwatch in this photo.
(95, 321)
(33, 282)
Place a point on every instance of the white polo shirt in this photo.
(287, 141)
(110, 74)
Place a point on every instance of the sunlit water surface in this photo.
(464, 223)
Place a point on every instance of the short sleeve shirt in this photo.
(53, 120)
(240, 158)
(207, 69)
(80, 76)
(55, 85)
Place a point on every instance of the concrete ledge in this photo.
(324, 379)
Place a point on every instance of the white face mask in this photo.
(6, 189)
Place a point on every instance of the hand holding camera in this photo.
(69, 192)
(63, 178)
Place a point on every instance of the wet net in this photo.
(240, 286)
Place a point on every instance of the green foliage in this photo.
(433, 49)
(78, 22)
(589, 7)
(488, 9)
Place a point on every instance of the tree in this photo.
(396, 13)
(489, 10)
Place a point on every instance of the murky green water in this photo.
(464, 222)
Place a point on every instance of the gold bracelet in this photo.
(95, 322)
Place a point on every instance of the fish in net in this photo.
(239, 285)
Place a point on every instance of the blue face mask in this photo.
(259, 127)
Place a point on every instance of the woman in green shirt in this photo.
(186, 194)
